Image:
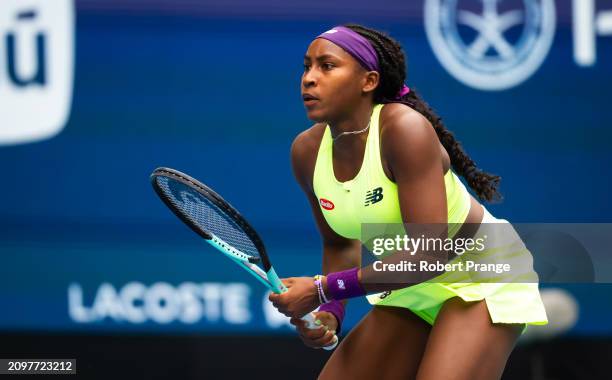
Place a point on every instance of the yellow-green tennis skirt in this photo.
(507, 302)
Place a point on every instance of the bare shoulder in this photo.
(304, 154)
(400, 119)
(406, 134)
(307, 141)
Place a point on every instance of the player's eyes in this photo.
(324, 66)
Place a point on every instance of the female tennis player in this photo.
(378, 154)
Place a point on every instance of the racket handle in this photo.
(308, 318)
(310, 323)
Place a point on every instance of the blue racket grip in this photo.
(308, 318)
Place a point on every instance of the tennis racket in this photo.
(211, 217)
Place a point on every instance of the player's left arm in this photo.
(412, 150)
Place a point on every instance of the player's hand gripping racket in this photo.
(211, 217)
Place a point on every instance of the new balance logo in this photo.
(374, 196)
(385, 295)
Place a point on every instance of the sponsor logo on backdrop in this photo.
(588, 23)
(474, 44)
(36, 68)
(164, 303)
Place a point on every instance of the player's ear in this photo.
(370, 81)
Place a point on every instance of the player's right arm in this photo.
(339, 253)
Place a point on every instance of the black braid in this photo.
(392, 63)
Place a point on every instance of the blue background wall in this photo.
(213, 90)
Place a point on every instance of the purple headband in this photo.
(359, 48)
(355, 44)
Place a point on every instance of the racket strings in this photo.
(207, 215)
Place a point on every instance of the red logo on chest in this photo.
(326, 204)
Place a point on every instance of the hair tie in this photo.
(402, 92)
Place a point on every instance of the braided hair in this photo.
(392, 64)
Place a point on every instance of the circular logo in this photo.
(487, 46)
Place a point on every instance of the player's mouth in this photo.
(309, 100)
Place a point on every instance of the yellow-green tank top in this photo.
(371, 197)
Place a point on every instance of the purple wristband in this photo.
(345, 284)
(337, 309)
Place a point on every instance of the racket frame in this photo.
(267, 276)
